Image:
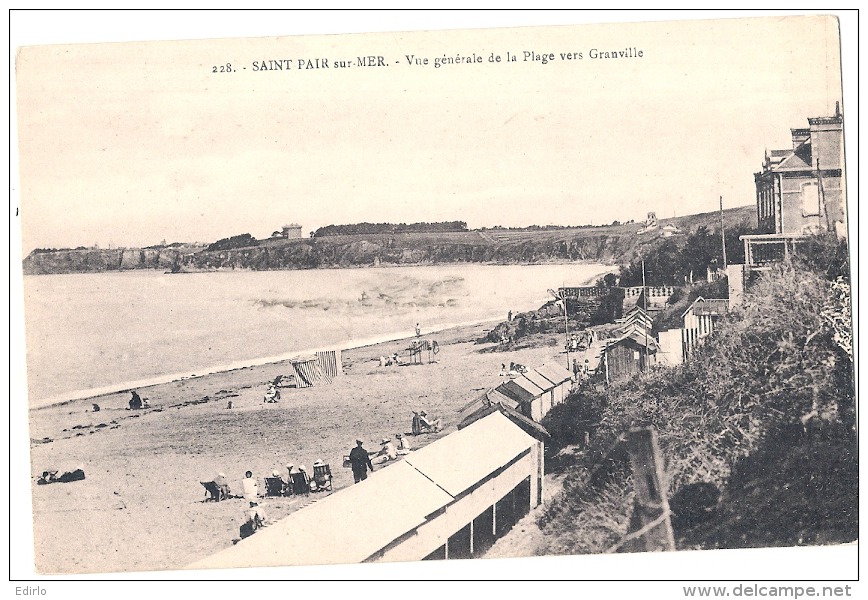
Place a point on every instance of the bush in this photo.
(568, 422)
(245, 240)
(781, 360)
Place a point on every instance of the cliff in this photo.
(613, 244)
(97, 260)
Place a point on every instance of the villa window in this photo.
(810, 200)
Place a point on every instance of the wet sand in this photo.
(141, 506)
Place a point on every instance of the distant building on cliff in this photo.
(292, 231)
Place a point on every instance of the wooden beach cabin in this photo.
(482, 402)
(560, 377)
(631, 353)
(450, 499)
(671, 350)
(635, 317)
(526, 393)
(700, 319)
(547, 399)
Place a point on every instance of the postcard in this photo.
(437, 302)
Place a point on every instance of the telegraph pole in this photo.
(722, 234)
(563, 298)
(645, 316)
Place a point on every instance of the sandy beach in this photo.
(141, 506)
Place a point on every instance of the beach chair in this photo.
(275, 486)
(322, 476)
(300, 484)
(212, 491)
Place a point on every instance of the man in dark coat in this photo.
(360, 462)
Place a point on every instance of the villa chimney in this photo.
(800, 136)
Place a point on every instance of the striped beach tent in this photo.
(308, 372)
(330, 362)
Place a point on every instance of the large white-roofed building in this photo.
(450, 499)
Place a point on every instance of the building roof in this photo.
(635, 321)
(635, 312)
(512, 390)
(390, 503)
(495, 396)
(554, 373)
(483, 401)
(633, 336)
(709, 306)
(530, 426)
(455, 462)
(539, 380)
(529, 386)
(799, 160)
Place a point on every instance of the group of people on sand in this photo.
(390, 450)
(289, 484)
(393, 360)
(272, 394)
(361, 460)
(297, 481)
(515, 369)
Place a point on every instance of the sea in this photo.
(96, 333)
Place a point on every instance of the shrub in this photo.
(245, 240)
(778, 361)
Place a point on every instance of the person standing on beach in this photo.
(360, 462)
(418, 331)
(135, 401)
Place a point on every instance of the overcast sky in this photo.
(130, 144)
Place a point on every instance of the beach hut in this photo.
(450, 499)
(561, 378)
(700, 319)
(529, 396)
(671, 347)
(547, 400)
(483, 402)
(316, 369)
(629, 354)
